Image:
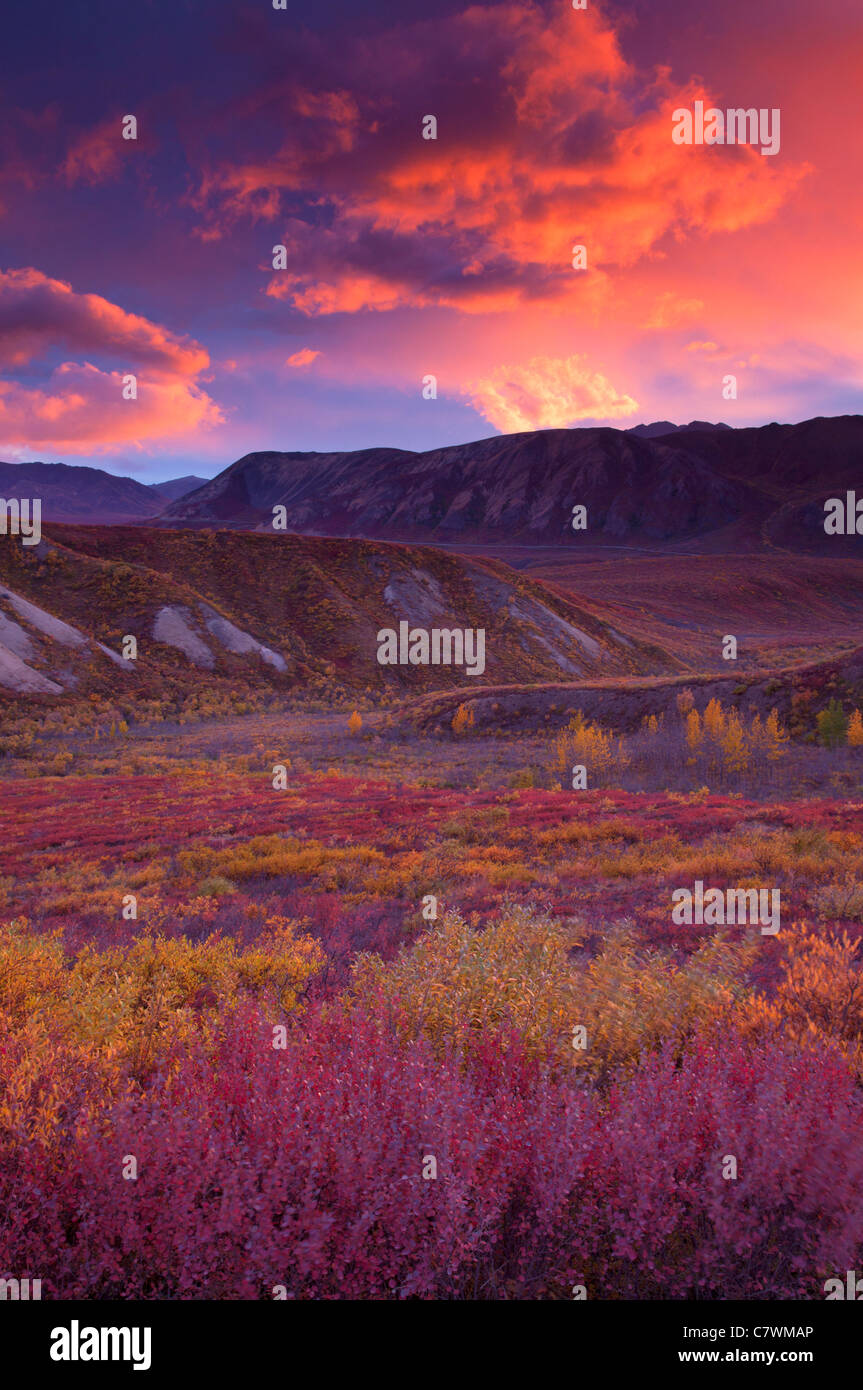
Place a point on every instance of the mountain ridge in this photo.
(754, 488)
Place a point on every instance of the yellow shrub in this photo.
(31, 971)
(586, 745)
(457, 984)
(820, 996)
(125, 1004)
(462, 720)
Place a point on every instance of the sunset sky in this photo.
(408, 257)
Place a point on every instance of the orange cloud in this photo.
(573, 144)
(547, 393)
(302, 358)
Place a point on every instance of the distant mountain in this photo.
(703, 486)
(522, 487)
(74, 493)
(661, 427)
(699, 487)
(175, 488)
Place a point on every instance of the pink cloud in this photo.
(80, 407)
(38, 313)
(96, 155)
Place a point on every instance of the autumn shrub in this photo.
(463, 719)
(302, 1168)
(586, 745)
(841, 900)
(663, 1214)
(819, 997)
(718, 746)
(525, 975)
(127, 1004)
(299, 1172)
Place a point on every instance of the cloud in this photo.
(97, 154)
(302, 358)
(672, 309)
(547, 393)
(80, 406)
(38, 314)
(81, 409)
(547, 136)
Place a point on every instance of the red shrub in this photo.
(303, 1168)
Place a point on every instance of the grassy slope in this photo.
(317, 602)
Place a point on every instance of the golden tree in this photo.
(462, 720)
(714, 721)
(777, 736)
(694, 731)
(735, 749)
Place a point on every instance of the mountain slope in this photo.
(521, 486)
(175, 488)
(75, 493)
(701, 487)
(279, 613)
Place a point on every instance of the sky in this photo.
(407, 258)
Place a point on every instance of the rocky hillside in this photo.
(283, 613)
